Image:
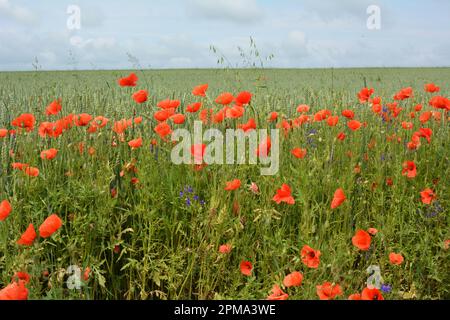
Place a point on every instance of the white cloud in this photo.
(331, 10)
(92, 17)
(299, 34)
(297, 38)
(95, 43)
(15, 12)
(180, 62)
(230, 10)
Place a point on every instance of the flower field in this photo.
(92, 207)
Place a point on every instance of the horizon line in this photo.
(221, 68)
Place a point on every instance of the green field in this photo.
(147, 242)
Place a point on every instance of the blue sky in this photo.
(178, 33)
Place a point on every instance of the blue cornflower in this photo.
(386, 288)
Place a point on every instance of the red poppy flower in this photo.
(50, 226)
(284, 195)
(5, 209)
(98, 123)
(138, 120)
(14, 291)
(205, 115)
(285, 125)
(447, 244)
(192, 108)
(246, 268)
(302, 120)
(425, 116)
(254, 188)
(395, 258)
(333, 121)
(361, 240)
(19, 166)
(437, 116)
(371, 294)
(355, 296)
(25, 121)
(377, 108)
(225, 98)
(140, 96)
(163, 129)
(233, 185)
(354, 125)
(439, 102)
(3, 133)
(293, 279)
(198, 151)
(407, 125)
(303, 108)
(235, 112)
(225, 248)
(418, 108)
(425, 133)
(21, 276)
(129, 81)
(364, 95)
(389, 181)
(82, 119)
(219, 116)
(413, 145)
(136, 143)
(178, 118)
(322, 115)
(169, 104)
(372, 231)
(376, 100)
(277, 294)
(431, 88)
(341, 136)
(53, 108)
(264, 147)
(162, 115)
(200, 90)
(427, 196)
(27, 238)
(86, 273)
(328, 291)
(349, 114)
(31, 171)
(50, 129)
(273, 116)
(120, 126)
(409, 169)
(310, 257)
(243, 98)
(49, 154)
(299, 153)
(250, 125)
(404, 93)
(338, 198)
